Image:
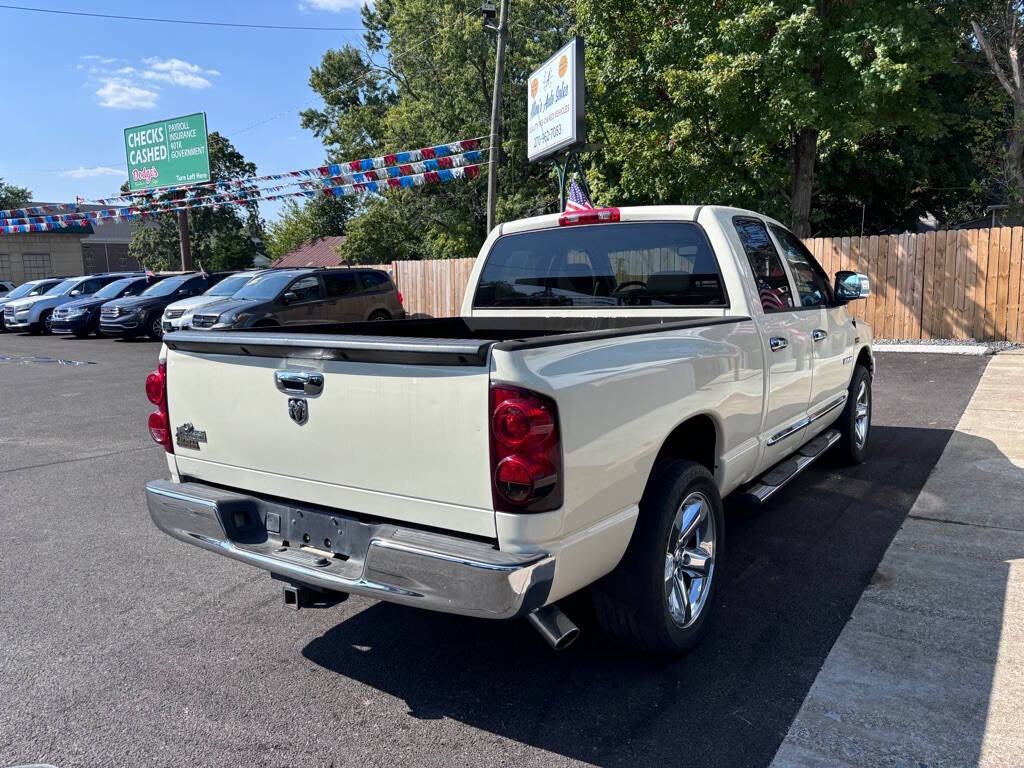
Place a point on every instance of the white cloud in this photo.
(332, 6)
(119, 85)
(118, 93)
(177, 72)
(87, 173)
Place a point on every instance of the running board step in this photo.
(777, 477)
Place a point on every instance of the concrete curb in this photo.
(939, 349)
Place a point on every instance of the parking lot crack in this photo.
(58, 462)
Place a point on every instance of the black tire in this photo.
(631, 603)
(379, 314)
(853, 447)
(154, 329)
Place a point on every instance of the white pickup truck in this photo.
(614, 373)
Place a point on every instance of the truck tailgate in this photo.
(382, 437)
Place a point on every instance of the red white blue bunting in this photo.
(346, 170)
(241, 197)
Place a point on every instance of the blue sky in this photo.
(72, 84)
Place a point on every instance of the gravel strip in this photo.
(991, 346)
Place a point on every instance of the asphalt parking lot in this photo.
(123, 647)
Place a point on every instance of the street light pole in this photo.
(495, 139)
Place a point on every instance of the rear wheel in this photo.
(379, 314)
(855, 422)
(154, 329)
(660, 597)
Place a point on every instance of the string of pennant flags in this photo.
(414, 180)
(439, 164)
(392, 175)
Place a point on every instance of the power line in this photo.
(181, 21)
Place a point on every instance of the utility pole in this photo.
(186, 250)
(495, 140)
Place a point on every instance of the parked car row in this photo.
(130, 304)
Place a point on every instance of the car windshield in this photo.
(642, 264)
(62, 287)
(26, 289)
(228, 285)
(110, 290)
(167, 287)
(265, 286)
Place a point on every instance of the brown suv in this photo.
(281, 297)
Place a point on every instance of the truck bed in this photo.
(430, 341)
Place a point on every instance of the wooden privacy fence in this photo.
(952, 284)
(958, 284)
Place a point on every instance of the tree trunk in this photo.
(803, 152)
(1015, 150)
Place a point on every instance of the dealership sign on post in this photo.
(555, 97)
(168, 152)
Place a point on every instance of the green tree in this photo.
(12, 196)
(740, 101)
(221, 237)
(999, 32)
(424, 77)
(318, 217)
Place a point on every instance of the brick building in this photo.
(77, 250)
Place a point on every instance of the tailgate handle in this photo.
(299, 382)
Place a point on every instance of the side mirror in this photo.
(289, 297)
(75, 292)
(851, 286)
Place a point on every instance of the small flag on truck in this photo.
(577, 199)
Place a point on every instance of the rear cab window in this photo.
(628, 264)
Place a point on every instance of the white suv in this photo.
(178, 316)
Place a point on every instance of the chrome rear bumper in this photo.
(429, 570)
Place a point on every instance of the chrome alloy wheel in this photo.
(861, 421)
(690, 559)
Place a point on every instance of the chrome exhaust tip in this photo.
(555, 627)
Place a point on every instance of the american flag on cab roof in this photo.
(577, 199)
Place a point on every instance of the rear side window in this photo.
(374, 281)
(769, 274)
(340, 285)
(643, 264)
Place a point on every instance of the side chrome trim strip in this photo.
(791, 429)
(829, 406)
(808, 419)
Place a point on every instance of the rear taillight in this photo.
(400, 299)
(526, 454)
(159, 421)
(590, 216)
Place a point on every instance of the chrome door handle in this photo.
(299, 382)
(777, 342)
(818, 334)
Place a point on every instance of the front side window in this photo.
(769, 274)
(166, 287)
(62, 287)
(811, 283)
(642, 264)
(306, 288)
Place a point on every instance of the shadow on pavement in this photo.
(792, 577)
